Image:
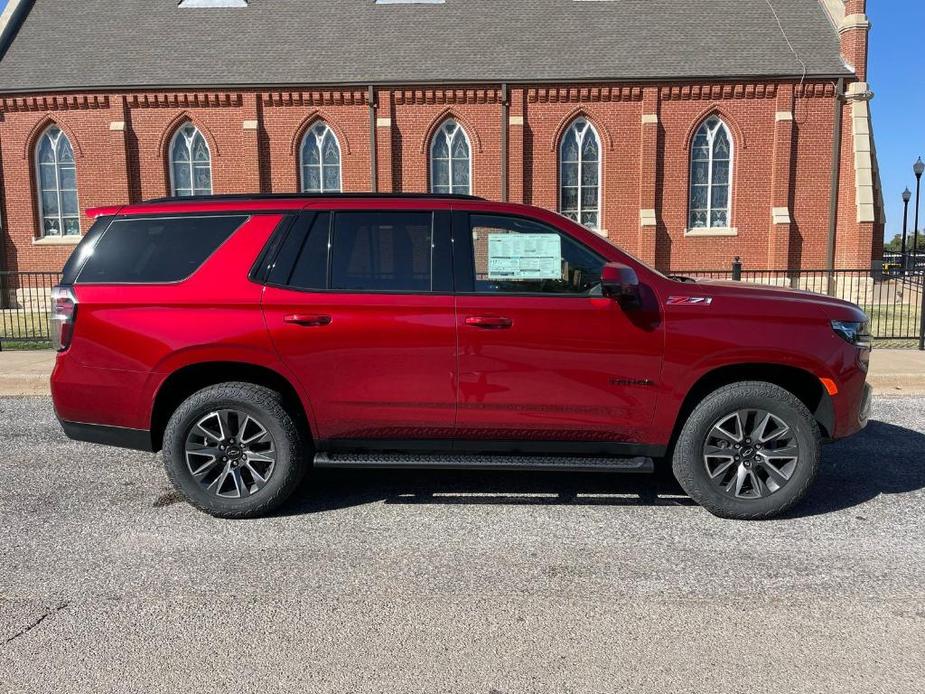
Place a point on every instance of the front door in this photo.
(543, 356)
(360, 307)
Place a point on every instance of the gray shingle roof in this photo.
(141, 43)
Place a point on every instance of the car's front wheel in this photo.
(749, 450)
(234, 451)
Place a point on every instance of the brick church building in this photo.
(686, 132)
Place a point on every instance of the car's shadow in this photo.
(883, 459)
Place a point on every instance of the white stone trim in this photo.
(250, 125)
(117, 126)
(57, 241)
(858, 91)
(712, 231)
(854, 21)
(516, 120)
(383, 122)
(7, 14)
(647, 218)
(212, 3)
(835, 10)
(649, 118)
(863, 159)
(780, 215)
(783, 116)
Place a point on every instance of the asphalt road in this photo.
(458, 582)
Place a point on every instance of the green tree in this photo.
(895, 244)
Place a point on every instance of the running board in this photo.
(482, 462)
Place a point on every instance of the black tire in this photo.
(267, 408)
(690, 466)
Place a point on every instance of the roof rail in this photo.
(309, 196)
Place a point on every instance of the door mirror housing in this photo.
(620, 282)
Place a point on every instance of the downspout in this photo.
(834, 181)
(373, 141)
(505, 125)
(3, 252)
(10, 21)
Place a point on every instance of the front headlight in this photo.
(855, 333)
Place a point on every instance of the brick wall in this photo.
(782, 137)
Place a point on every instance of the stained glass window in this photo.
(580, 174)
(320, 160)
(190, 163)
(57, 184)
(711, 166)
(450, 160)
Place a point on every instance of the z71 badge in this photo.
(689, 300)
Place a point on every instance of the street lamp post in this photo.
(902, 255)
(918, 168)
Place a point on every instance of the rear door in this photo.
(360, 305)
(543, 356)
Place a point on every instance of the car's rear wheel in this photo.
(749, 451)
(234, 451)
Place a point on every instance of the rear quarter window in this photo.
(84, 250)
(155, 250)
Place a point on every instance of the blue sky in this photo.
(897, 52)
(897, 55)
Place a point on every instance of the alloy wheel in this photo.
(230, 453)
(751, 454)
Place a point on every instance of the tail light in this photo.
(63, 315)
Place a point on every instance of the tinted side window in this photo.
(517, 255)
(382, 251)
(83, 250)
(156, 250)
(303, 257)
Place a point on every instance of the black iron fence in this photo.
(893, 300)
(25, 301)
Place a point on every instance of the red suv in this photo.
(250, 337)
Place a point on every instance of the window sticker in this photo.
(524, 257)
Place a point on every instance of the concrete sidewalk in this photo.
(892, 372)
(25, 372)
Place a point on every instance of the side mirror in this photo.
(620, 282)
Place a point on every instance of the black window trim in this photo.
(302, 220)
(435, 230)
(465, 263)
(246, 219)
(262, 266)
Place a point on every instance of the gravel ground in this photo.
(458, 582)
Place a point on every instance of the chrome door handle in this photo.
(489, 322)
(307, 320)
